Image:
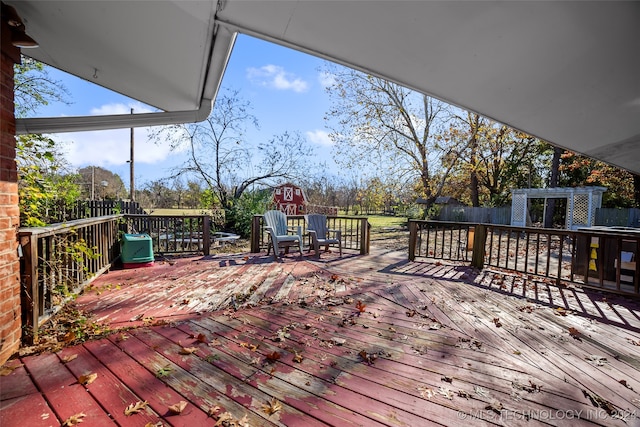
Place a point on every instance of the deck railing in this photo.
(174, 234)
(600, 259)
(60, 259)
(355, 232)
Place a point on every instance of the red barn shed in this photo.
(290, 199)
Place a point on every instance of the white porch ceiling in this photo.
(565, 71)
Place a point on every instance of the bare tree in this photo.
(392, 130)
(225, 160)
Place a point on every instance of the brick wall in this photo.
(10, 321)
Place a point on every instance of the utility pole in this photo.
(131, 179)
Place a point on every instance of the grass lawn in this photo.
(382, 221)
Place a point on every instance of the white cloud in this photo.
(112, 147)
(319, 137)
(276, 77)
(326, 79)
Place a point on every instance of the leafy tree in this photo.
(498, 158)
(576, 170)
(34, 87)
(46, 189)
(250, 203)
(45, 193)
(101, 183)
(392, 130)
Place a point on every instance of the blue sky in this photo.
(285, 88)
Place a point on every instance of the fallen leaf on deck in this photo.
(426, 392)
(601, 402)
(435, 326)
(164, 371)
(446, 392)
(201, 338)
(272, 357)
(134, 408)
(494, 406)
(225, 419)
(6, 370)
(178, 407)
(462, 393)
(88, 378)
(213, 411)
(446, 379)
(272, 407)
(596, 360)
(560, 311)
(136, 318)
(74, 420)
(122, 337)
(411, 313)
(298, 358)
(496, 322)
(338, 341)
(69, 336)
(574, 333)
(360, 307)
(368, 357)
(188, 350)
(150, 424)
(624, 383)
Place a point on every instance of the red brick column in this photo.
(10, 317)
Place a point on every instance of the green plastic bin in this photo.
(136, 250)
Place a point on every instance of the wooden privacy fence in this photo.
(599, 259)
(355, 232)
(59, 260)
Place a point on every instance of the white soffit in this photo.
(565, 71)
(157, 52)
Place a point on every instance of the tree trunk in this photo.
(553, 183)
(636, 190)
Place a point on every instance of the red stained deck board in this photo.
(419, 366)
(27, 410)
(107, 389)
(17, 384)
(234, 393)
(185, 374)
(324, 389)
(370, 383)
(236, 384)
(554, 359)
(145, 384)
(298, 396)
(63, 392)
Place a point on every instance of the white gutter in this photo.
(116, 121)
(218, 59)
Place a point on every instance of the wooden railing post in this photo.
(256, 232)
(29, 245)
(364, 237)
(413, 239)
(206, 235)
(479, 242)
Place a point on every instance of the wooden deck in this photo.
(357, 341)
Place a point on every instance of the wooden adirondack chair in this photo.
(317, 228)
(281, 234)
